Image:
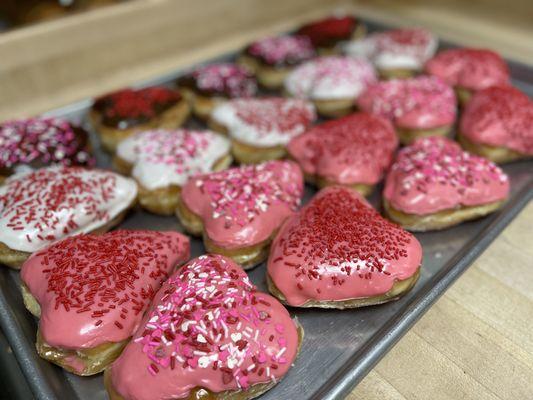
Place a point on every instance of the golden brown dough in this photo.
(498, 155)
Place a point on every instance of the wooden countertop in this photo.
(476, 342)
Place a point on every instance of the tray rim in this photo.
(361, 362)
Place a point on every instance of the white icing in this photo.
(226, 114)
(124, 192)
(386, 54)
(162, 158)
(330, 78)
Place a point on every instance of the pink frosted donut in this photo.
(94, 289)
(338, 250)
(330, 78)
(208, 330)
(499, 117)
(243, 206)
(415, 103)
(356, 149)
(395, 49)
(282, 51)
(435, 174)
(472, 69)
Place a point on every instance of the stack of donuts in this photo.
(326, 106)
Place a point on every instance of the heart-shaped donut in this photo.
(354, 151)
(209, 333)
(91, 291)
(43, 206)
(338, 252)
(434, 184)
(239, 210)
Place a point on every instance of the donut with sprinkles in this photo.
(49, 204)
(497, 123)
(162, 161)
(333, 83)
(239, 210)
(421, 106)
(355, 151)
(90, 292)
(261, 128)
(434, 184)
(338, 252)
(209, 333)
(469, 70)
(42, 141)
(118, 115)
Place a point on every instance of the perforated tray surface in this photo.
(340, 347)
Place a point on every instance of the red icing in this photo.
(500, 117)
(94, 289)
(417, 103)
(208, 328)
(435, 174)
(353, 149)
(136, 103)
(243, 206)
(328, 31)
(338, 248)
(472, 69)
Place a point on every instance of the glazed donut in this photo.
(161, 161)
(469, 70)
(497, 123)
(326, 34)
(272, 58)
(261, 128)
(417, 107)
(331, 83)
(338, 252)
(118, 115)
(209, 335)
(398, 53)
(207, 86)
(42, 141)
(90, 292)
(238, 211)
(354, 151)
(434, 184)
(43, 206)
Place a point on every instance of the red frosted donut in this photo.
(499, 117)
(434, 175)
(353, 150)
(329, 31)
(471, 69)
(209, 333)
(93, 289)
(338, 252)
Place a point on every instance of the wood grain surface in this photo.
(476, 342)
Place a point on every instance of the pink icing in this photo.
(417, 103)
(353, 149)
(208, 328)
(243, 206)
(435, 174)
(500, 117)
(338, 248)
(473, 69)
(94, 289)
(225, 78)
(288, 49)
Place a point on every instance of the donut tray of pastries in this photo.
(267, 223)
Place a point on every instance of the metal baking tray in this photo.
(340, 347)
